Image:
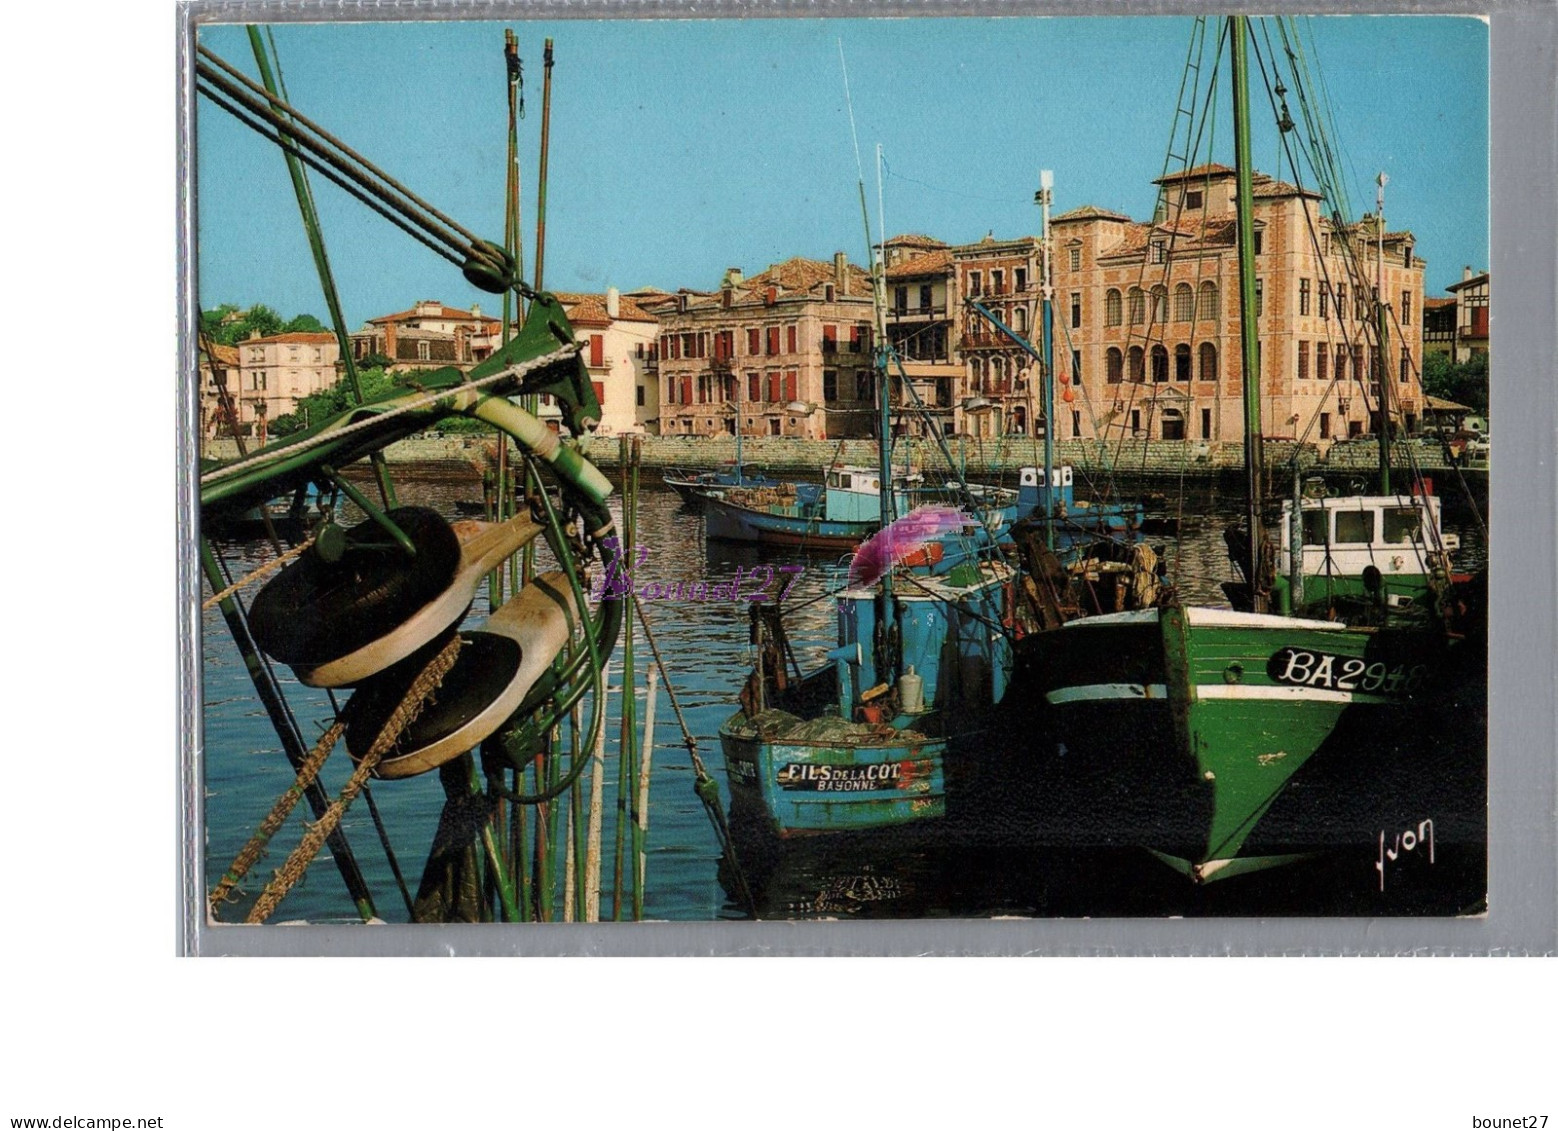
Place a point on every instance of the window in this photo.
(789, 339)
(754, 341)
(1314, 527)
(1406, 365)
(1111, 307)
(773, 388)
(1322, 356)
(1138, 303)
(424, 351)
(1138, 367)
(1341, 302)
(998, 282)
(1114, 366)
(1075, 258)
(791, 385)
(1406, 307)
(1160, 364)
(1402, 524)
(1260, 297)
(1020, 277)
(830, 339)
(1355, 527)
(1325, 423)
(1159, 304)
(1208, 361)
(827, 293)
(975, 284)
(754, 387)
(1258, 235)
(901, 300)
(1076, 366)
(773, 340)
(865, 386)
(1135, 422)
(1406, 255)
(926, 301)
(1206, 424)
(830, 385)
(1184, 303)
(1159, 252)
(1303, 361)
(1209, 304)
(1076, 425)
(1325, 298)
(1341, 364)
(1076, 310)
(639, 396)
(1181, 367)
(1303, 296)
(1020, 319)
(1173, 423)
(1193, 199)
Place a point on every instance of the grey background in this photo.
(1523, 791)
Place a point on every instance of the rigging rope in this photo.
(255, 574)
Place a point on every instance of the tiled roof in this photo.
(1472, 282)
(449, 313)
(1437, 303)
(1211, 170)
(914, 239)
(298, 338)
(228, 355)
(801, 274)
(931, 263)
(1187, 235)
(590, 309)
(1270, 188)
(1087, 212)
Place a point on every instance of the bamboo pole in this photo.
(641, 826)
(593, 838)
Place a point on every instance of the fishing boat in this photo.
(1228, 740)
(839, 514)
(689, 483)
(923, 653)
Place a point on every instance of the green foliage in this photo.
(1465, 382)
(225, 330)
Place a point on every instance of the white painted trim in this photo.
(1094, 692)
(1228, 618)
(1283, 691)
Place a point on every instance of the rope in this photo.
(255, 574)
(273, 821)
(411, 706)
(521, 370)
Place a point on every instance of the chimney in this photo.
(733, 277)
(841, 272)
(613, 303)
(1466, 272)
(475, 310)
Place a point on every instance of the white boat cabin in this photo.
(853, 493)
(1345, 535)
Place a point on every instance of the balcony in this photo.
(985, 341)
(917, 313)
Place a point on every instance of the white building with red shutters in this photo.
(618, 337)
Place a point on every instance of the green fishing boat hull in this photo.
(1226, 742)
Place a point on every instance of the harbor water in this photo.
(918, 873)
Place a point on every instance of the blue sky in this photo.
(680, 148)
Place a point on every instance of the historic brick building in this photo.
(1147, 316)
(1003, 277)
(428, 336)
(798, 332)
(921, 314)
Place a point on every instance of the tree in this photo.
(1464, 382)
(304, 324)
(226, 330)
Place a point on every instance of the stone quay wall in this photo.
(981, 458)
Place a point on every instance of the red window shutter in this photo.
(790, 338)
(687, 390)
(754, 342)
(773, 340)
(597, 350)
(754, 387)
(790, 393)
(1479, 321)
(600, 391)
(773, 387)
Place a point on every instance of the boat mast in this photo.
(1248, 330)
(1382, 320)
(1047, 363)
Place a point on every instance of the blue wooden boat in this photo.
(689, 483)
(861, 743)
(837, 514)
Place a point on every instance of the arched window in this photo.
(1208, 361)
(1114, 363)
(997, 374)
(973, 375)
(1209, 305)
(1181, 362)
(1137, 372)
(1138, 307)
(1020, 320)
(1159, 304)
(1112, 307)
(1184, 303)
(1159, 364)
(1173, 424)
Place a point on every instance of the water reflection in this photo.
(964, 867)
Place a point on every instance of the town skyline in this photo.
(627, 158)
